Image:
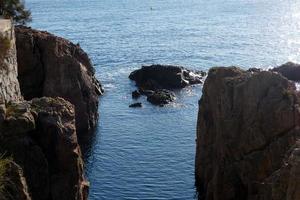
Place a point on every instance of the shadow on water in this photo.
(87, 142)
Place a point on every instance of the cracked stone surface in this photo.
(248, 136)
(9, 85)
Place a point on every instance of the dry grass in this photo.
(4, 46)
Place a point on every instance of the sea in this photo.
(148, 153)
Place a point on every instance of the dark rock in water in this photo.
(165, 77)
(13, 182)
(161, 97)
(40, 135)
(54, 67)
(289, 70)
(146, 92)
(136, 105)
(136, 94)
(248, 137)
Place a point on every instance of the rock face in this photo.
(54, 67)
(40, 135)
(12, 181)
(289, 70)
(248, 135)
(161, 97)
(9, 85)
(165, 77)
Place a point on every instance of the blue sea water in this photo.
(149, 153)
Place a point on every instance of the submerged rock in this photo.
(248, 137)
(289, 70)
(136, 105)
(54, 67)
(161, 97)
(165, 77)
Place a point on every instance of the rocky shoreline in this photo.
(48, 98)
(248, 129)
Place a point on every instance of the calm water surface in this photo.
(149, 153)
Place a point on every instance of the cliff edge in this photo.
(248, 135)
(40, 158)
(54, 67)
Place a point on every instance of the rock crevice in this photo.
(247, 132)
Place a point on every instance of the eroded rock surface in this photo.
(40, 136)
(54, 67)
(289, 70)
(248, 137)
(9, 85)
(161, 97)
(13, 185)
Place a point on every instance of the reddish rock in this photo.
(248, 137)
(54, 67)
(41, 137)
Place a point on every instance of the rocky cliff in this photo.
(40, 136)
(9, 85)
(248, 135)
(40, 158)
(54, 67)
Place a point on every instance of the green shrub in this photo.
(15, 9)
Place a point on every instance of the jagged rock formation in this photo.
(9, 85)
(248, 135)
(54, 67)
(289, 70)
(40, 135)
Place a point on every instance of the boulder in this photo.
(165, 77)
(161, 97)
(40, 135)
(248, 133)
(136, 105)
(289, 70)
(54, 67)
(136, 94)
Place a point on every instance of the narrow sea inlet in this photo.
(149, 153)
